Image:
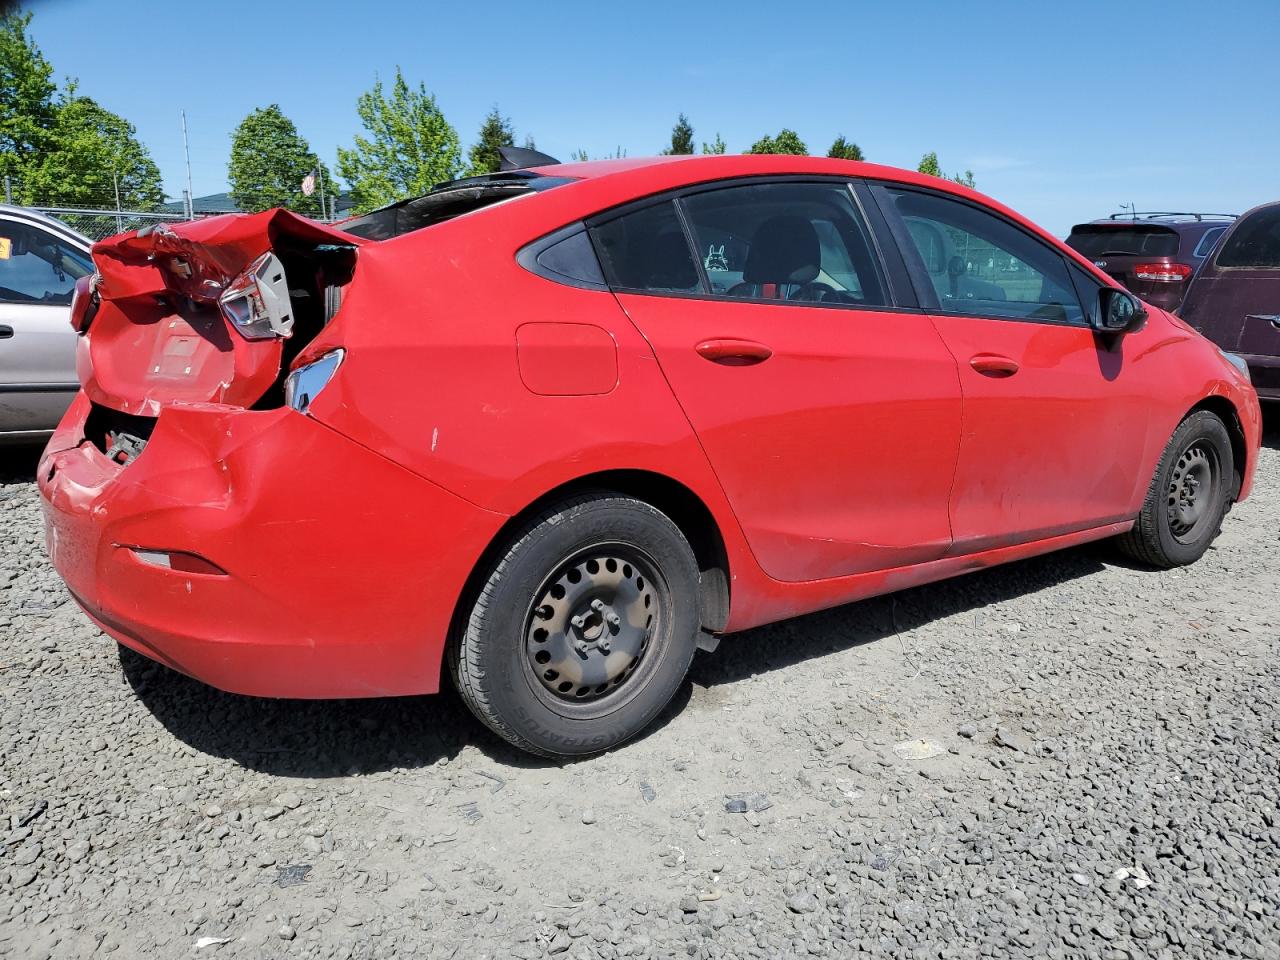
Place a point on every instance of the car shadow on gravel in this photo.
(18, 462)
(781, 645)
(334, 738)
(313, 739)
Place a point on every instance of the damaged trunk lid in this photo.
(208, 311)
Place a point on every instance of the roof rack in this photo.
(1157, 214)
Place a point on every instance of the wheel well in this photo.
(682, 505)
(1225, 411)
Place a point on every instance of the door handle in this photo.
(1271, 318)
(733, 353)
(6, 331)
(994, 365)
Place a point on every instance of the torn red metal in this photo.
(161, 331)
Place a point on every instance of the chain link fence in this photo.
(97, 224)
(105, 219)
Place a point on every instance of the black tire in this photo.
(560, 687)
(1188, 497)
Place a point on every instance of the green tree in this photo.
(411, 146)
(843, 149)
(93, 153)
(787, 141)
(715, 148)
(495, 132)
(929, 164)
(26, 97)
(269, 160)
(681, 138)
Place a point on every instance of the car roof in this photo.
(636, 177)
(36, 218)
(598, 185)
(1162, 220)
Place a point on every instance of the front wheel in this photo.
(583, 629)
(1188, 497)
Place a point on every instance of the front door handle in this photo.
(6, 331)
(1271, 318)
(733, 353)
(994, 365)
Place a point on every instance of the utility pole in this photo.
(115, 179)
(186, 149)
(320, 175)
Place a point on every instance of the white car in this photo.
(40, 261)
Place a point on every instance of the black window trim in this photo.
(928, 297)
(673, 196)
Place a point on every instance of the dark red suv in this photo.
(1235, 297)
(1153, 254)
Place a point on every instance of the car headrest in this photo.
(784, 249)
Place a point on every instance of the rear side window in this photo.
(647, 250)
(1102, 240)
(797, 242)
(1208, 241)
(981, 265)
(1255, 241)
(37, 267)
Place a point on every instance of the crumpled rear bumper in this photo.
(342, 569)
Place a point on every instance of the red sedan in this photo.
(555, 428)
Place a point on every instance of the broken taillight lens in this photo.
(84, 302)
(257, 301)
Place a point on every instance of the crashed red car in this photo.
(553, 429)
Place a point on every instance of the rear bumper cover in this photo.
(342, 569)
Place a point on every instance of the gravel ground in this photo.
(1063, 757)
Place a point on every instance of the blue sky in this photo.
(1062, 110)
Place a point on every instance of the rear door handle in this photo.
(6, 331)
(729, 352)
(994, 365)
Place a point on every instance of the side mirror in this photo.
(1118, 311)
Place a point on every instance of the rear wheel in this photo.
(583, 630)
(1188, 497)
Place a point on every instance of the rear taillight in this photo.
(84, 302)
(1168, 272)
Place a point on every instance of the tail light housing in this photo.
(257, 301)
(84, 302)
(1164, 272)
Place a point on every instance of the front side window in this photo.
(796, 242)
(1255, 242)
(37, 267)
(647, 250)
(980, 264)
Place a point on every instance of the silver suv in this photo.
(40, 261)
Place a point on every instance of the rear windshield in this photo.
(1140, 240)
(1255, 242)
(446, 201)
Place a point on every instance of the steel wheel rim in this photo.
(589, 632)
(1192, 493)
